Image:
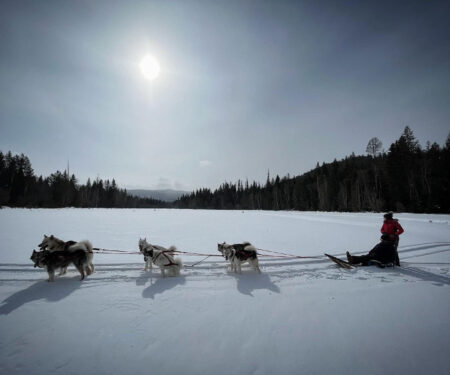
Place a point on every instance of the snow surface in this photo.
(300, 316)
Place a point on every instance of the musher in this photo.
(393, 229)
(382, 254)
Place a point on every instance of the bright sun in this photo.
(149, 67)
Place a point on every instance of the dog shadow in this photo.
(42, 290)
(247, 283)
(144, 278)
(161, 285)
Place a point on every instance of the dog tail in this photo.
(84, 245)
(249, 247)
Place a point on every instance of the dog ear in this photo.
(45, 236)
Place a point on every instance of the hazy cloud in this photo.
(180, 186)
(205, 163)
(164, 183)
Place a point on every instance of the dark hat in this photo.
(388, 215)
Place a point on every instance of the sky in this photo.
(245, 87)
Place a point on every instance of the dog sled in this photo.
(57, 254)
(344, 264)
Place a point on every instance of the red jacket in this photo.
(392, 227)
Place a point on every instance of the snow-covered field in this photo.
(300, 316)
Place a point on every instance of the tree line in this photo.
(405, 178)
(20, 187)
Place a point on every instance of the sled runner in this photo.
(340, 262)
(345, 264)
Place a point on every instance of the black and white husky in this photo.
(161, 257)
(51, 243)
(52, 260)
(239, 253)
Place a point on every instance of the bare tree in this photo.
(374, 146)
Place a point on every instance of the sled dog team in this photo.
(58, 254)
(55, 253)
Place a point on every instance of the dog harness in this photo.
(170, 262)
(68, 244)
(245, 254)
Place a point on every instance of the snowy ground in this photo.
(300, 316)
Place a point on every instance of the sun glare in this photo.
(149, 67)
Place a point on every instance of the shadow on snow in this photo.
(247, 283)
(421, 274)
(161, 284)
(51, 292)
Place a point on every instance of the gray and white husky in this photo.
(239, 253)
(51, 243)
(161, 257)
(52, 260)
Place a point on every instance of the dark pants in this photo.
(384, 252)
(363, 259)
(397, 259)
(395, 240)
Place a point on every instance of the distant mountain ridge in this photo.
(166, 195)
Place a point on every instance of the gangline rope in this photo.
(281, 255)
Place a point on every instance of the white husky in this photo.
(148, 260)
(51, 243)
(161, 257)
(239, 253)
